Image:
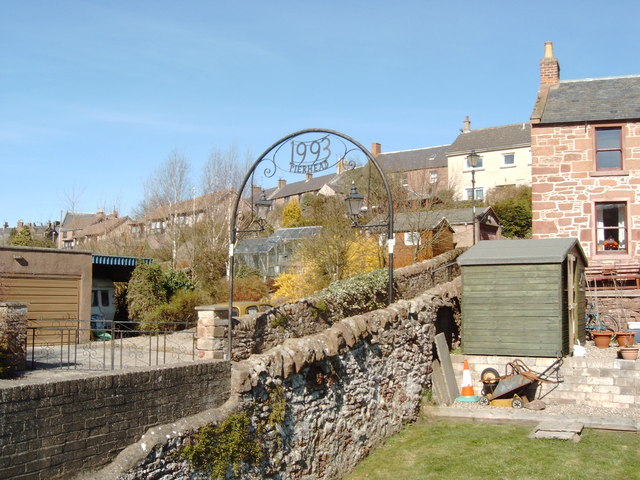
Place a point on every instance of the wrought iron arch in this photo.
(319, 150)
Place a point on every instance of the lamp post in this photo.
(472, 160)
(354, 205)
(262, 206)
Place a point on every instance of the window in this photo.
(404, 179)
(608, 148)
(611, 226)
(508, 160)
(480, 165)
(412, 238)
(479, 193)
(433, 178)
(94, 298)
(104, 297)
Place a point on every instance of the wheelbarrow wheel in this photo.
(517, 402)
(489, 375)
(483, 401)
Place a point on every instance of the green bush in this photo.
(178, 314)
(146, 290)
(176, 280)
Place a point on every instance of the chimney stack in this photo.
(466, 125)
(549, 66)
(376, 149)
(281, 183)
(309, 176)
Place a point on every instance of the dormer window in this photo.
(609, 148)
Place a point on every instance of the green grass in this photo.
(468, 451)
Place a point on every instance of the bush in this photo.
(250, 288)
(146, 290)
(176, 280)
(178, 314)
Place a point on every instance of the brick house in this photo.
(585, 145)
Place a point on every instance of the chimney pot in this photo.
(466, 125)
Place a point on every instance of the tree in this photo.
(291, 215)
(22, 237)
(146, 290)
(169, 185)
(513, 207)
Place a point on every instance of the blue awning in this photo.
(117, 260)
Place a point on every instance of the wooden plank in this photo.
(452, 391)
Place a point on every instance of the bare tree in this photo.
(225, 170)
(164, 190)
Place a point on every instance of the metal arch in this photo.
(233, 231)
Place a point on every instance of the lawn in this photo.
(438, 449)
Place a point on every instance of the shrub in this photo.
(178, 314)
(146, 290)
(176, 280)
(250, 287)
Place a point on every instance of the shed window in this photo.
(608, 148)
(611, 227)
(412, 238)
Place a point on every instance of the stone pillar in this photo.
(212, 340)
(13, 337)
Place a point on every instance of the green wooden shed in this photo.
(523, 297)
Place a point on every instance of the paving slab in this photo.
(514, 416)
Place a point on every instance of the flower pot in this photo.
(625, 339)
(629, 353)
(602, 339)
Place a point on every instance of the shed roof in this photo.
(517, 252)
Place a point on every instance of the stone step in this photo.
(558, 429)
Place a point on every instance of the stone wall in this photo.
(258, 333)
(623, 306)
(566, 185)
(341, 393)
(13, 337)
(52, 430)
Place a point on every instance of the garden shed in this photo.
(523, 297)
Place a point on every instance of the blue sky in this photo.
(95, 95)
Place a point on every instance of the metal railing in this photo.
(110, 348)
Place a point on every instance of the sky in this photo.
(96, 95)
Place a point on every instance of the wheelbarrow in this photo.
(519, 384)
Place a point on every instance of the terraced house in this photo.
(585, 145)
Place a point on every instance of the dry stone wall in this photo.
(336, 394)
(13, 337)
(258, 333)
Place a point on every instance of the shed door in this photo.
(53, 306)
(573, 286)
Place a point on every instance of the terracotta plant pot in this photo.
(629, 353)
(602, 339)
(625, 339)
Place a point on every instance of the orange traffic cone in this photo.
(467, 394)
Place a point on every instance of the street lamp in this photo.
(472, 160)
(262, 209)
(354, 205)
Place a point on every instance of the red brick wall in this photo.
(566, 185)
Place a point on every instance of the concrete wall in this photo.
(52, 430)
(344, 391)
